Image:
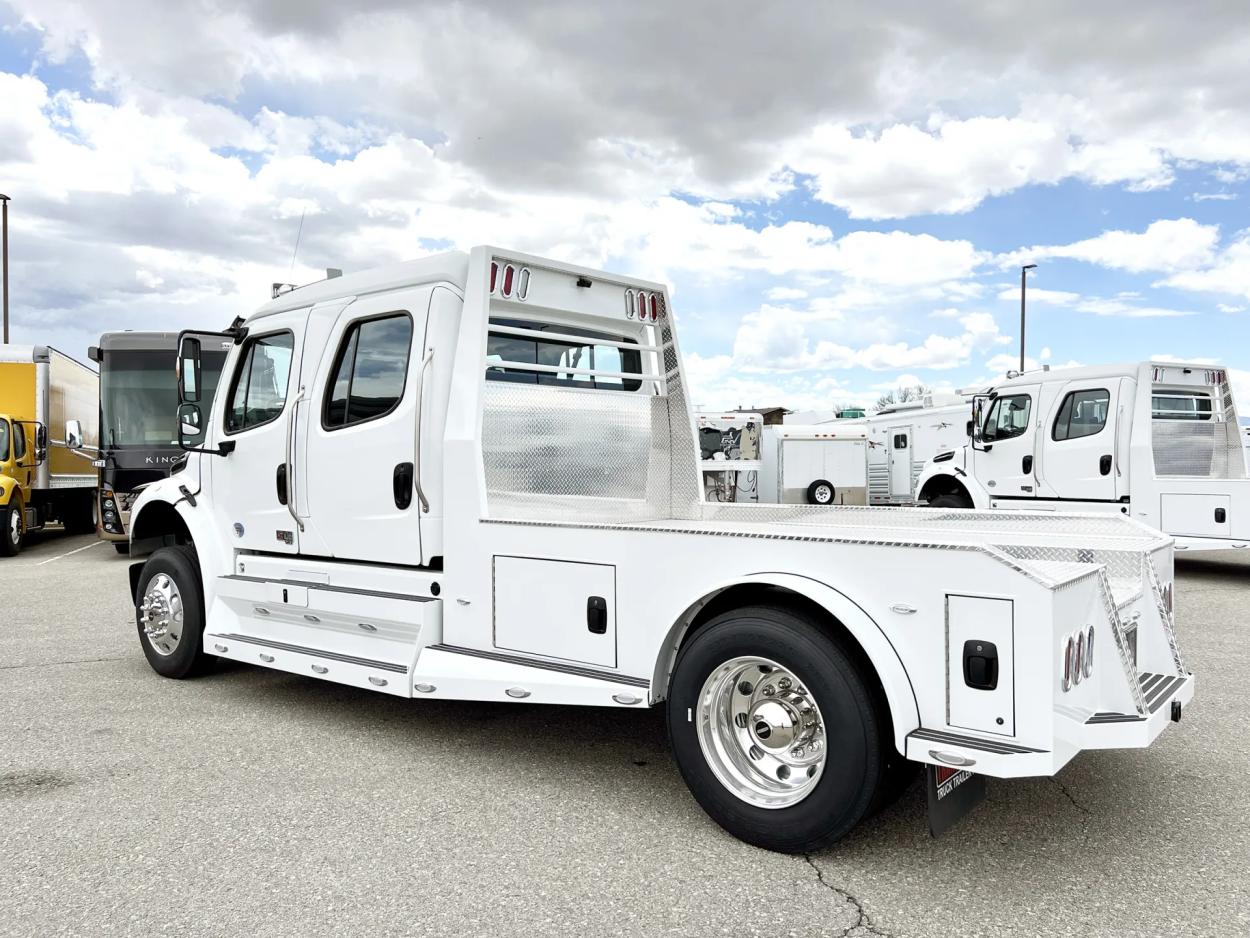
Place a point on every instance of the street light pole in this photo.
(1023, 272)
(4, 252)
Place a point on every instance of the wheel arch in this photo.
(942, 483)
(860, 634)
(156, 524)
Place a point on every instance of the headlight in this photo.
(109, 503)
(109, 516)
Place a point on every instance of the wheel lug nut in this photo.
(769, 690)
(784, 683)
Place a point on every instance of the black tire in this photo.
(11, 542)
(821, 492)
(79, 515)
(122, 547)
(188, 659)
(950, 501)
(856, 724)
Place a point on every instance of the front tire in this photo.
(12, 528)
(775, 729)
(950, 501)
(169, 613)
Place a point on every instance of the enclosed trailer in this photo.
(814, 465)
(902, 438)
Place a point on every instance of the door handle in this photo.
(401, 484)
(1026, 465)
(1220, 516)
(281, 483)
(1104, 465)
(597, 615)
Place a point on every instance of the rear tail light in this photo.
(510, 282)
(523, 283)
(1088, 663)
(494, 274)
(1078, 663)
(630, 304)
(655, 308)
(509, 274)
(1067, 665)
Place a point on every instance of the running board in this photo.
(389, 677)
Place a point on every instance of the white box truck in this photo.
(475, 477)
(1157, 441)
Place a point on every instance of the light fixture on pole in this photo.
(4, 254)
(1023, 276)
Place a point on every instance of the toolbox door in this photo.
(556, 609)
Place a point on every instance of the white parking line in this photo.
(76, 550)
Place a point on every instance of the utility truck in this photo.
(1156, 441)
(41, 480)
(138, 418)
(524, 521)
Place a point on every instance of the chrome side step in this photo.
(314, 652)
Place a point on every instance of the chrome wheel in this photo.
(161, 613)
(761, 732)
(15, 525)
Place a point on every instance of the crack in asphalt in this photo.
(864, 924)
(53, 664)
(1067, 794)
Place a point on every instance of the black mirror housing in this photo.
(189, 372)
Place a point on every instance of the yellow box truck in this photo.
(43, 480)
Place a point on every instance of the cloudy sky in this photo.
(840, 194)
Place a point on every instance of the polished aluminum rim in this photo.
(160, 614)
(761, 732)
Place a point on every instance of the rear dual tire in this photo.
(744, 772)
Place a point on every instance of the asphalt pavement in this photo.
(257, 803)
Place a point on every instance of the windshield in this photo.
(139, 396)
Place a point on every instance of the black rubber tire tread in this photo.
(122, 547)
(7, 547)
(189, 660)
(950, 501)
(856, 724)
(811, 492)
(79, 517)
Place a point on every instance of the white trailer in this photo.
(902, 438)
(475, 477)
(817, 465)
(1157, 441)
(729, 454)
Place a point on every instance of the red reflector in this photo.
(494, 272)
(508, 273)
(655, 308)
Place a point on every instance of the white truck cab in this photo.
(1157, 441)
(476, 477)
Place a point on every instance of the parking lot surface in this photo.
(252, 802)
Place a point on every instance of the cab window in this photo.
(1008, 417)
(370, 371)
(19, 442)
(561, 353)
(258, 390)
(1082, 413)
(1180, 405)
(4, 441)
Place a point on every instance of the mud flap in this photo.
(136, 570)
(952, 794)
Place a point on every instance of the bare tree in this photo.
(903, 395)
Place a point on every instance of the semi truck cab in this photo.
(525, 521)
(1156, 441)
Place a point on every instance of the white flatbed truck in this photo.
(1156, 441)
(478, 549)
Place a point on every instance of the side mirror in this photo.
(73, 434)
(977, 424)
(190, 425)
(189, 370)
(41, 444)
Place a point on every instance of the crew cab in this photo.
(1157, 441)
(476, 477)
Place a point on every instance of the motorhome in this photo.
(138, 419)
(43, 480)
(902, 438)
(524, 521)
(1157, 441)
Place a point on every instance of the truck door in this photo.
(899, 441)
(1003, 461)
(251, 486)
(1079, 442)
(362, 500)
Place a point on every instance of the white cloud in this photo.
(1165, 245)
(1229, 272)
(781, 294)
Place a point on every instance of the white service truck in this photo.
(1157, 441)
(475, 477)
